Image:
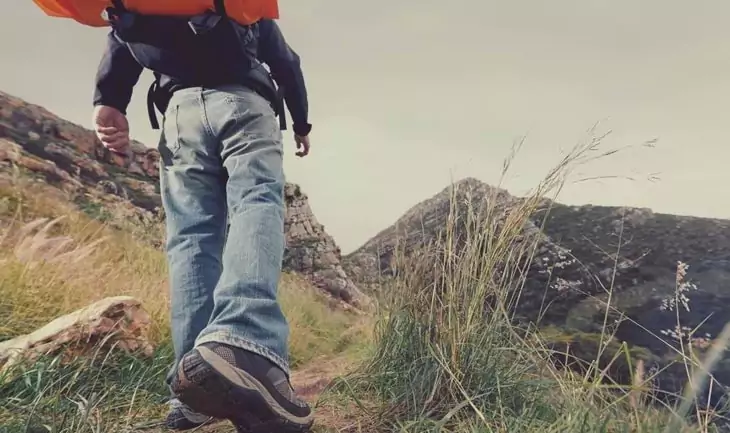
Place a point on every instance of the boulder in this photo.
(118, 321)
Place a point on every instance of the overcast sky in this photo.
(406, 95)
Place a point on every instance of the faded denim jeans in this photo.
(222, 165)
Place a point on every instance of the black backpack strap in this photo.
(281, 108)
(111, 14)
(220, 7)
(119, 5)
(151, 94)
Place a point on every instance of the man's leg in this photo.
(192, 186)
(239, 369)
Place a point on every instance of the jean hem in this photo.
(242, 343)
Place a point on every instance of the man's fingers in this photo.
(120, 136)
(302, 145)
(106, 129)
(112, 129)
(117, 142)
(116, 145)
(304, 150)
(120, 150)
(113, 139)
(110, 138)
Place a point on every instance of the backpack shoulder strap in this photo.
(151, 94)
(220, 7)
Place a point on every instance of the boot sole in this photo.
(211, 386)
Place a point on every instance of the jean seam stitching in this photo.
(206, 120)
(244, 344)
(177, 145)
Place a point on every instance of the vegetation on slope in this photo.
(55, 259)
(443, 362)
(445, 356)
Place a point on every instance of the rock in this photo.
(112, 188)
(120, 321)
(9, 151)
(418, 226)
(313, 253)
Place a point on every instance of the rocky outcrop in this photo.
(111, 322)
(636, 252)
(554, 277)
(582, 254)
(313, 252)
(124, 190)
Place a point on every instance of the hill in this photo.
(587, 258)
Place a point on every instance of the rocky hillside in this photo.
(424, 223)
(581, 252)
(36, 144)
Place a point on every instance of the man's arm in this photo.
(115, 79)
(287, 72)
(117, 74)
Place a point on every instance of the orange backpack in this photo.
(91, 12)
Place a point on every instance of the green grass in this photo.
(103, 393)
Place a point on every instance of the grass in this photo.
(450, 357)
(96, 394)
(51, 265)
(446, 354)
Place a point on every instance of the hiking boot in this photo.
(182, 418)
(247, 389)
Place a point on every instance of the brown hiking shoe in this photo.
(181, 418)
(226, 382)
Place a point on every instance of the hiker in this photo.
(221, 165)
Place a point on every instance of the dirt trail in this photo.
(311, 380)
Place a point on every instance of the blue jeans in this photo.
(222, 185)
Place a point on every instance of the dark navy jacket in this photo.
(119, 72)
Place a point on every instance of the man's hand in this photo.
(302, 144)
(112, 129)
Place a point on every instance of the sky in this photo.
(407, 96)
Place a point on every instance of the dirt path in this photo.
(311, 380)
